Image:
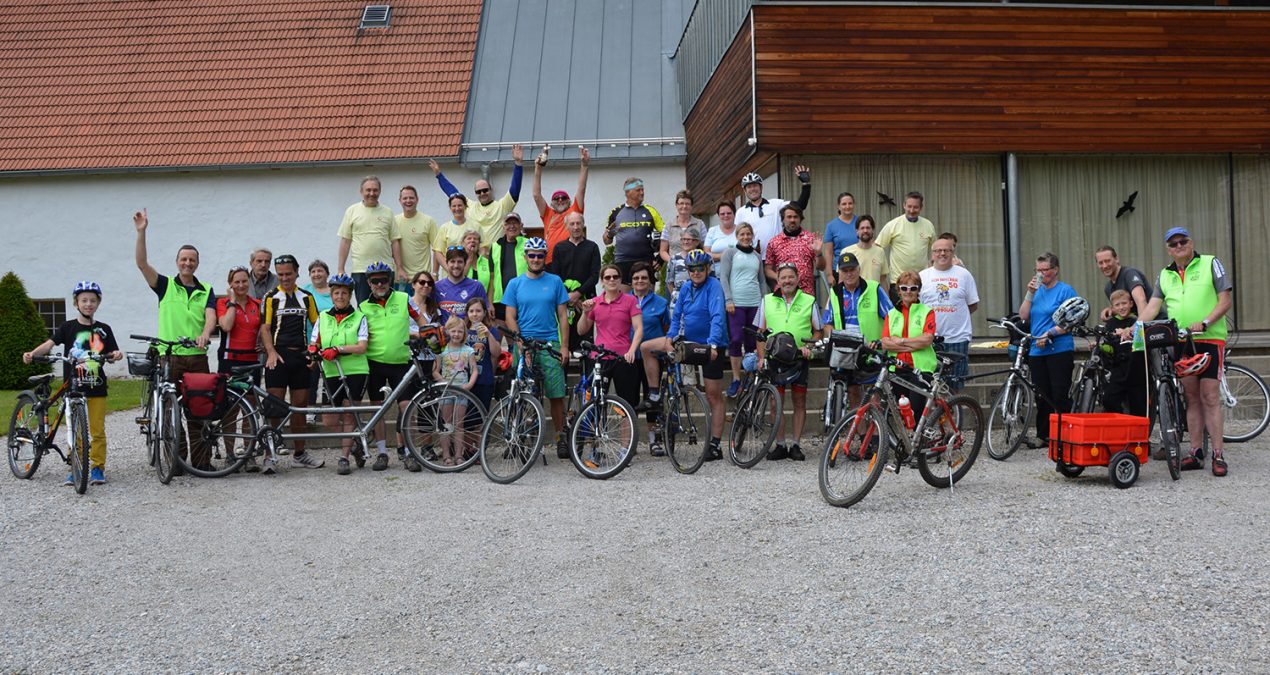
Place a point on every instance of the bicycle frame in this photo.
(882, 394)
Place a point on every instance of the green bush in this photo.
(23, 331)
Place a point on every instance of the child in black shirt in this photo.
(1126, 389)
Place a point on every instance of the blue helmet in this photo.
(697, 257)
(86, 287)
(377, 268)
(749, 362)
(535, 244)
(340, 280)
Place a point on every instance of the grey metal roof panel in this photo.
(579, 71)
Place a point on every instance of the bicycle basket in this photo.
(140, 364)
(692, 353)
(1161, 333)
(203, 395)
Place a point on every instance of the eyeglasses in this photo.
(1044, 269)
(612, 277)
(941, 250)
(481, 191)
(641, 278)
(909, 289)
(697, 268)
(535, 256)
(1178, 243)
(377, 281)
(559, 199)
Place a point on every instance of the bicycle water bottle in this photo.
(906, 412)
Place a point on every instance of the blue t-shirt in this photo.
(1044, 302)
(535, 301)
(452, 297)
(841, 235)
(323, 300)
(656, 312)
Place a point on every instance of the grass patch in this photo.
(124, 395)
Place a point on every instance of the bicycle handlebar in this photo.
(73, 360)
(605, 354)
(532, 344)
(181, 342)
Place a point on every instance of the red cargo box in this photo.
(1090, 439)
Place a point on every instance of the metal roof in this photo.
(570, 72)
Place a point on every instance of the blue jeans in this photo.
(960, 367)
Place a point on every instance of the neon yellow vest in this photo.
(182, 314)
(794, 318)
(866, 311)
(923, 359)
(389, 328)
(342, 334)
(482, 271)
(1189, 301)
(495, 285)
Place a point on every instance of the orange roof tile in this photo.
(101, 85)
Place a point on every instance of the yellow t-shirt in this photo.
(450, 234)
(489, 219)
(873, 263)
(417, 235)
(371, 231)
(908, 243)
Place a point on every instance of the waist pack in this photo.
(693, 353)
(203, 395)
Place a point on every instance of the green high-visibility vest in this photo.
(793, 318)
(336, 333)
(482, 271)
(866, 310)
(923, 359)
(182, 314)
(495, 286)
(389, 328)
(1190, 299)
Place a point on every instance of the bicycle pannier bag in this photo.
(203, 395)
(692, 353)
(1157, 334)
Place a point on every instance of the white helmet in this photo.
(1071, 313)
(751, 177)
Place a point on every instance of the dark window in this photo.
(52, 310)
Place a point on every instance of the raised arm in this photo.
(538, 198)
(804, 194)
(518, 172)
(580, 195)
(446, 186)
(141, 220)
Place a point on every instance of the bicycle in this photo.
(602, 435)
(32, 435)
(1168, 406)
(511, 440)
(1246, 399)
(159, 421)
(1091, 376)
(1014, 405)
(842, 362)
(684, 416)
(758, 412)
(945, 441)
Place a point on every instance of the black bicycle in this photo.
(511, 440)
(602, 434)
(1092, 375)
(32, 434)
(684, 416)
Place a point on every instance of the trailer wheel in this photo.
(1123, 469)
(1069, 470)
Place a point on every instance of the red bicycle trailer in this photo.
(1119, 442)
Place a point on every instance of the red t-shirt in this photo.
(553, 226)
(798, 250)
(927, 329)
(240, 343)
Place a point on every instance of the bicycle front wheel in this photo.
(1084, 400)
(602, 438)
(754, 426)
(685, 429)
(835, 404)
(1169, 425)
(170, 433)
(79, 445)
(441, 424)
(1247, 407)
(952, 441)
(512, 438)
(220, 446)
(1010, 419)
(24, 426)
(852, 460)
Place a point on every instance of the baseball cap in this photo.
(1173, 232)
(848, 259)
(513, 216)
(559, 194)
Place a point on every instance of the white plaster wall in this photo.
(60, 230)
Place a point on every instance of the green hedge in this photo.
(23, 331)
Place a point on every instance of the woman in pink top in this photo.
(619, 326)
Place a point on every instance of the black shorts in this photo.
(500, 311)
(226, 366)
(713, 370)
(292, 371)
(800, 382)
(389, 374)
(1215, 353)
(353, 392)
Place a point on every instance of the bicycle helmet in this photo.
(1192, 365)
(751, 177)
(377, 268)
(749, 363)
(697, 257)
(86, 287)
(340, 280)
(535, 244)
(504, 361)
(1071, 313)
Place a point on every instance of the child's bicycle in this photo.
(511, 440)
(601, 426)
(32, 434)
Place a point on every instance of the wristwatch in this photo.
(1204, 323)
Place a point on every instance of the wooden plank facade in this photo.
(845, 79)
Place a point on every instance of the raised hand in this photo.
(141, 219)
(436, 168)
(518, 153)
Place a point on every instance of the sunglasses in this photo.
(284, 259)
(641, 278)
(455, 248)
(535, 256)
(787, 266)
(1178, 243)
(238, 268)
(697, 268)
(612, 277)
(377, 281)
(481, 191)
(909, 289)
(423, 282)
(559, 199)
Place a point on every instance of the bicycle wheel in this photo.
(440, 421)
(852, 460)
(79, 445)
(685, 429)
(946, 457)
(603, 437)
(225, 441)
(1247, 406)
(835, 404)
(169, 420)
(754, 426)
(1167, 421)
(1010, 419)
(512, 438)
(1084, 400)
(24, 426)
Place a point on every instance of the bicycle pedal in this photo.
(143, 420)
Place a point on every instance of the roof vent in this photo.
(376, 16)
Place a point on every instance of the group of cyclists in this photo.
(753, 273)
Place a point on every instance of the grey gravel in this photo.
(727, 570)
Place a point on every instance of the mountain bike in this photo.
(1014, 405)
(945, 441)
(684, 416)
(1246, 399)
(1168, 404)
(159, 421)
(511, 440)
(758, 412)
(32, 435)
(602, 435)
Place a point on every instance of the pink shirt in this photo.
(613, 321)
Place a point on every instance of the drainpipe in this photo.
(1012, 227)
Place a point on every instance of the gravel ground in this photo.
(727, 570)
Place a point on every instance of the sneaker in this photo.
(98, 477)
(251, 466)
(562, 448)
(1219, 466)
(359, 458)
(381, 462)
(1192, 463)
(306, 461)
(778, 452)
(70, 480)
(713, 452)
(412, 465)
(796, 453)
(656, 450)
(270, 467)
(734, 388)
(1037, 443)
(342, 468)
